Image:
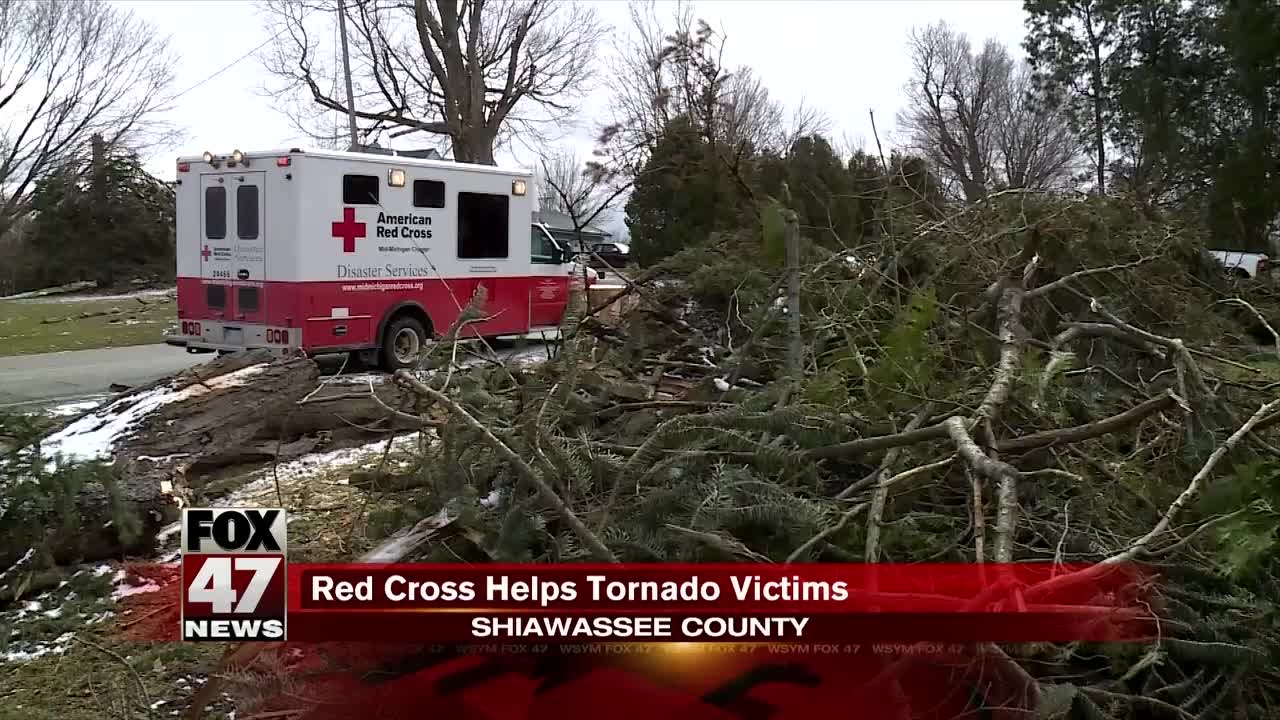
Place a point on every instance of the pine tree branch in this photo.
(590, 539)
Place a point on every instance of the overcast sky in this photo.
(845, 57)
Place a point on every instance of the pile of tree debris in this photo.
(1032, 379)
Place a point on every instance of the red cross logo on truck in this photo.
(205, 252)
(349, 230)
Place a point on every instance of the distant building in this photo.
(561, 227)
(376, 149)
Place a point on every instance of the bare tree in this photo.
(583, 191)
(70, 70)
(468, 72)
(748, 115)
(1037, 146)
(954, 97)
(664, 68)
(974, 117)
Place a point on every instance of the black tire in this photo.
(393, 359)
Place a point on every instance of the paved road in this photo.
(38, 379)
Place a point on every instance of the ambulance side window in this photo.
(482, 226)
(542, 249)
(247, 212)
(428, 194)
(360, 189)
(215, 213)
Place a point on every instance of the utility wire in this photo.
(240, 59)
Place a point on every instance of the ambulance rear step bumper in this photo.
(208, 347)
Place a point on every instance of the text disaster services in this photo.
(598, 588)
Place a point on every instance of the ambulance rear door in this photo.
(233, 244)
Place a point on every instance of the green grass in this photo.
(24, 330)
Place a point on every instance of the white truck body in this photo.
(1242, 264)
(328, 251)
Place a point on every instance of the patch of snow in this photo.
(360, 379)
(20, 561)
(722, 385)
(75, 298)
(491, 499)
(314, 464)
(169, 532)
(161, 458)
(124, 590)
(101, 570)
(93, 436)
(104, 615)
(521, 358)
(74, 407)
(56, 612)
(35, 650)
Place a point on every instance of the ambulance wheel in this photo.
(402, 344)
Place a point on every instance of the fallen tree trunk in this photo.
(57, 290)
(153, 449)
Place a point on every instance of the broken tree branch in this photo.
(1193, 488)
(1006, 477)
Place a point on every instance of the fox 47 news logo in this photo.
(233, 574)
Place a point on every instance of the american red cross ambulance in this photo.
(327, 252)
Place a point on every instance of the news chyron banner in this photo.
(237, 586)
(234, 574)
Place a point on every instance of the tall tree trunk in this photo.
(474, 146)
(1099, 132)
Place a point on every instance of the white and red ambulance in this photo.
(329, 252)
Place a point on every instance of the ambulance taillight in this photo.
(282, 162)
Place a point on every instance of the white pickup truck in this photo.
(1242, 264)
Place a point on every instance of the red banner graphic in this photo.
(411, 668)
(710, 603)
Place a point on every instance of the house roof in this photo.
(555, 220)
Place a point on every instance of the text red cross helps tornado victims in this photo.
(205, 252)
(348, 230)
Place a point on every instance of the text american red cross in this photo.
(349, 230)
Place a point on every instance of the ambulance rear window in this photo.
(247, 212)
(215, 213)
(360, 189)
(215, 296)
(482, 226)
(247, 299)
